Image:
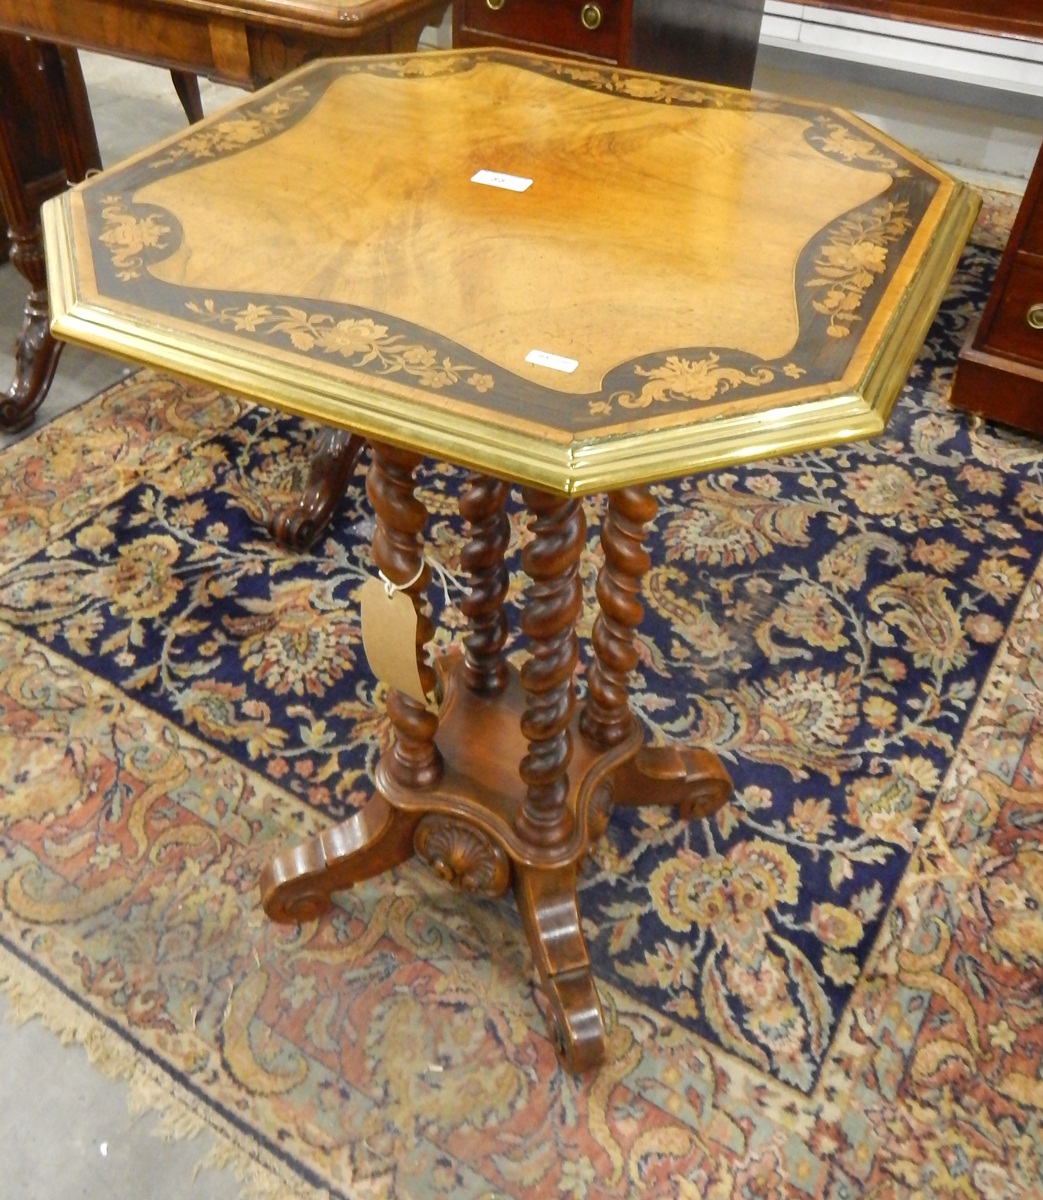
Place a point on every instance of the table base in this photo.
(508, 784)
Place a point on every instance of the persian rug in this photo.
(833, 988)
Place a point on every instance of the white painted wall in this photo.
(1009, 63)
(971, 102)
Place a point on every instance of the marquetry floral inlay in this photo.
(851, 259)
(685, 379)
(125, 236)
(661, 91)
(241, 129)
(360, 340)
(842, 142)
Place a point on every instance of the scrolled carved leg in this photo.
(398, 551)
(36, 352)
(489, 531)
(335, 454)
(51, 144)
(549, 910)
(689, 779)
(552, 606)
(298, 884)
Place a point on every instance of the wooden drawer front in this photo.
(557, 24)
(1011, 332)
(1032, 235)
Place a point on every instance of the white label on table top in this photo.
(540, 358)
(510, 183)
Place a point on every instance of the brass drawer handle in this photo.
(1034, 316)
(495, 5)
(590, 15)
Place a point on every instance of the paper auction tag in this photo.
(499, 179)
(389, 638)
(556, 362)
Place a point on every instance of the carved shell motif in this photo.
(462, 855)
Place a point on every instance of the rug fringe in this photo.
(149, 1090)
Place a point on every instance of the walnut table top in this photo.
(657, 276)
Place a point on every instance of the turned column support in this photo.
(552, 605)
(606, 719)
(398, 552)
(483, 560)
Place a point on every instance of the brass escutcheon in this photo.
(495, 5)
(1034, 316)
(590, 15)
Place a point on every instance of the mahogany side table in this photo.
(568, 278)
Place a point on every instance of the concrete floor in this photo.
(67, 1132)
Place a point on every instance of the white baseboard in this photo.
(1008, 63)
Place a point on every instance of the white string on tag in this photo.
(444, 576)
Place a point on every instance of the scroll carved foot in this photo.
(36, 359)
(692, 780)
(335, 455)
(550, 914)
(297, 884)
(577, 1026)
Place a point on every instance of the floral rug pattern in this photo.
(831, 989)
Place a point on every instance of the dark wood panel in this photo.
(47, 132)
(712, 40)
(1000, 374)
(1023, 17)
(593, 28)
(1000, 389)
(1020, 303)
(1030, 235)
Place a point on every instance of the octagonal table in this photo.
(568, 278)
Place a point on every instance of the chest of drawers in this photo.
(1000, 374)
(711, 40)
(585, 28)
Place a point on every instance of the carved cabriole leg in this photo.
(36, 352)
(489, 531)
(552, 606)
(398, 552)
(691, 779)
(335, 454)
(43, 84)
